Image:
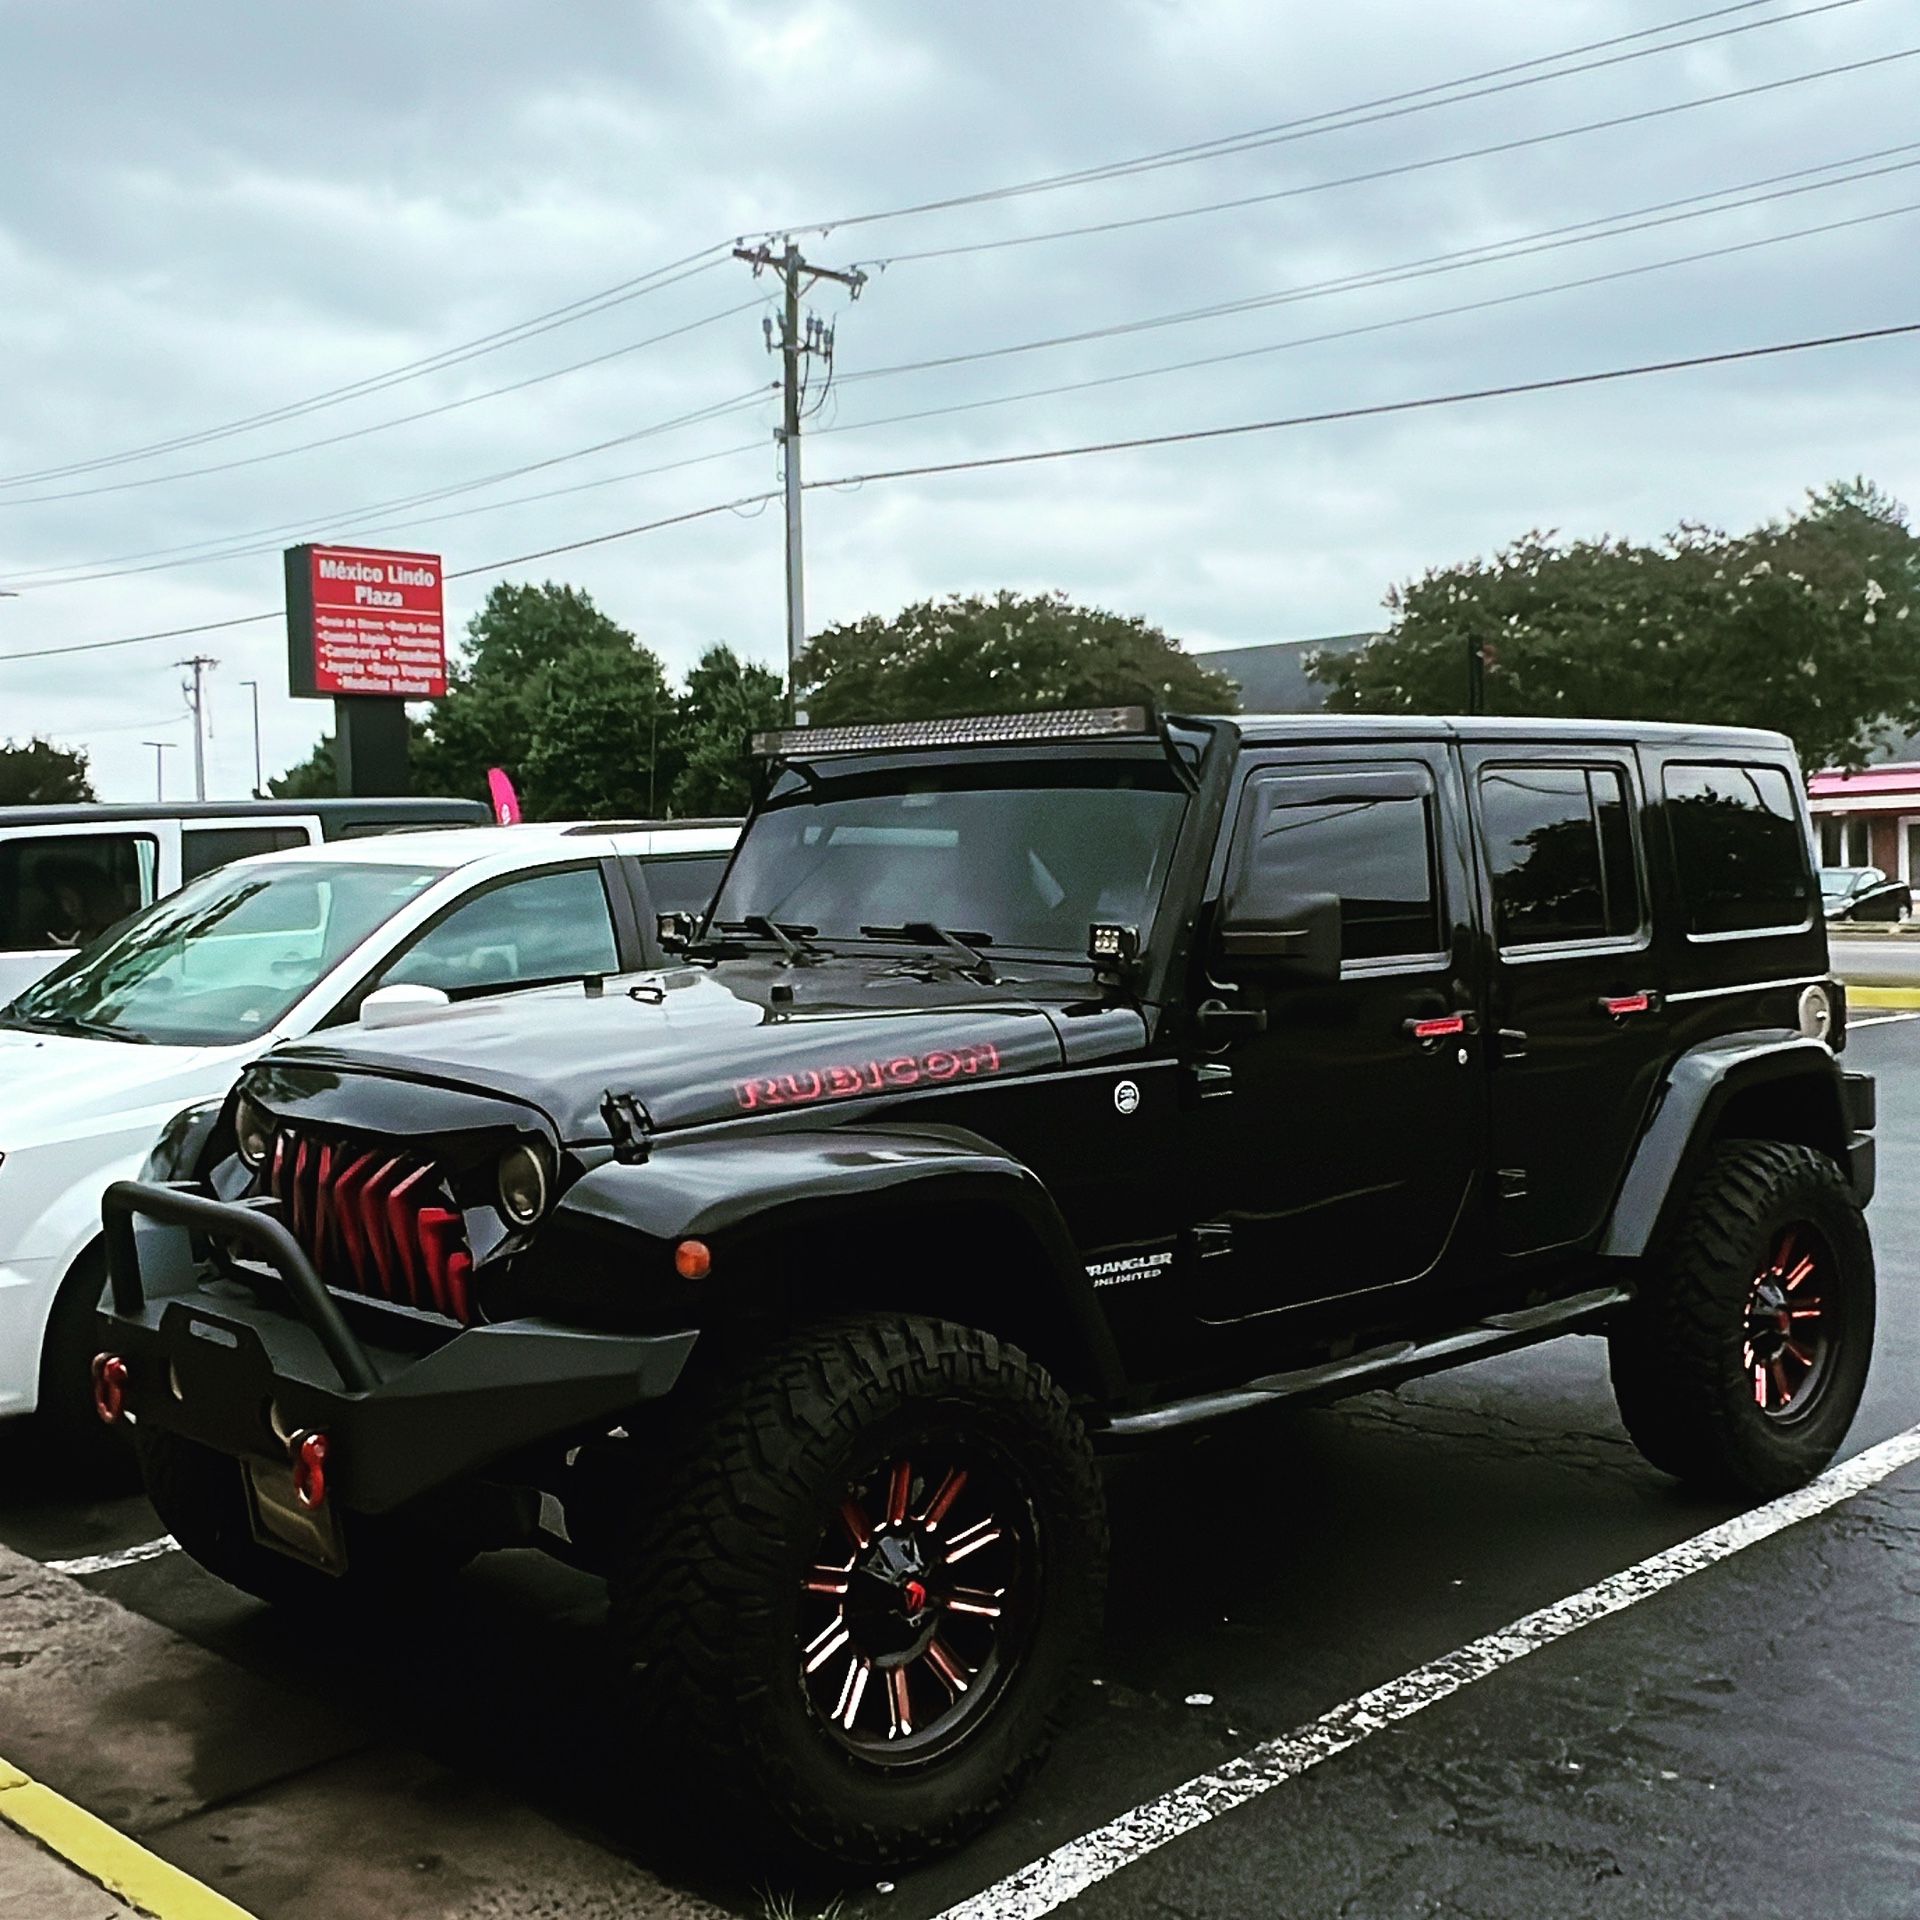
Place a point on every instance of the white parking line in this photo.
(1070, 1870)
(1878, 1019)
(126, 1557)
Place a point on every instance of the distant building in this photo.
(1272, 677)
(1870, 818)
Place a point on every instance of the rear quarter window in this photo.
(1739, 848)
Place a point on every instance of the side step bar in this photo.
(1384, 1366)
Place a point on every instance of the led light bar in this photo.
(974, 730)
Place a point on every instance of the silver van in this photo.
(67, 873)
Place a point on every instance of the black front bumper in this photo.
(240, 1358)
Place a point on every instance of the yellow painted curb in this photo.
(1883, 996)
(106, 1855)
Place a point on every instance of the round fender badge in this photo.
(1126, 1096)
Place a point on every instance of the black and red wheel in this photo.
(1741, 1364)
(858, 1605)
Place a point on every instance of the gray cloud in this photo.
(209, 210)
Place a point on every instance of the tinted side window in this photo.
(1739, 849)
(684, 884)
(550, 926)
(1559, 849)
(1375, 852)
(63, 890)
(204, 848)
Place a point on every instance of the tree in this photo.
(317, 777)
(41, 774)
(1011, 653)
(561, 695)
(1806, 625)
(723, 702)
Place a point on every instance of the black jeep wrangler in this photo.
(1033, 1085)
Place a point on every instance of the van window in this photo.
(204, 848)
(1739, 847)
(1559, 850)
(62, 890)
(683, 883)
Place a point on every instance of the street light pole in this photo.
(259, 782)
(159, 780)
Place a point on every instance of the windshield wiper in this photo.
(794, 940)
(966, 945)
(73, 1025)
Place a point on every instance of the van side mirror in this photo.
(1283, 936)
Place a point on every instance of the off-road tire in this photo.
(80, 1448)
(201, 1502)
(706, 1589)
(1685, 1392)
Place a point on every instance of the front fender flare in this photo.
(1699, 1086)
(791, 1181)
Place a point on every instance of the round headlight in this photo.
(252, 1132)
(523, 1185)
(1816, 1012)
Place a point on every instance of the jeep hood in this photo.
(694, 1046)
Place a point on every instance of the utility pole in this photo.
(796, 348)
(259, 780)
(159, 778)
(196, 693)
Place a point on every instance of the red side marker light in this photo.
(109, 1387)
(309, 1452)
(1443, 1027)
(693, 1259)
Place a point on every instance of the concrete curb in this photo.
(166, 1754)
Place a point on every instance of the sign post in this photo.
(366, 627)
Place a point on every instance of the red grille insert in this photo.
(374, 1222)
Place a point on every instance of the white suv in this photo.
(162, 1014)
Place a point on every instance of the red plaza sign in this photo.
(365, 621)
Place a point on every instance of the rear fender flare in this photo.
(1702, 1084)
(796, 1184)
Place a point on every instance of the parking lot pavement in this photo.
(1261, 1578)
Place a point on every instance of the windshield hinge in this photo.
(630, 1124)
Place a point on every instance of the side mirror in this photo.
(396, 1005)
(1287, 936)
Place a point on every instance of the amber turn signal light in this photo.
(693, 1259)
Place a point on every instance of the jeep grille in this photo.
(374, 1221)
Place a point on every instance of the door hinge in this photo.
(1210, 1079)
(1211, 1239)
(1510, 1183)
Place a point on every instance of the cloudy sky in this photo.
(214, 212)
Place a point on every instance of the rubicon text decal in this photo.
(847, 1080)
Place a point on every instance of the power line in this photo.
(1366, 113)
(1396, 171)
(1431, 401)
(1374, 326)
(381, 426)
(704, 259)
(1515, 247)
(1487, 254)
(584, 308)
(1035, 456)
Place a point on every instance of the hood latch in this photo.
(630, 1124)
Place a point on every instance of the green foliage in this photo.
(317, 777)
(41, 775)
(723, 702)
(1807, 625)
(1008, 654)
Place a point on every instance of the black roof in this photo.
(1279, 728)
(435, 812)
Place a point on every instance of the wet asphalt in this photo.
(1747, 1742)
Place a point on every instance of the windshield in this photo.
(224, 958)
(1028, 853)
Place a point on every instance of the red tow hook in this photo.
(109, 1387)
(308, 1452)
